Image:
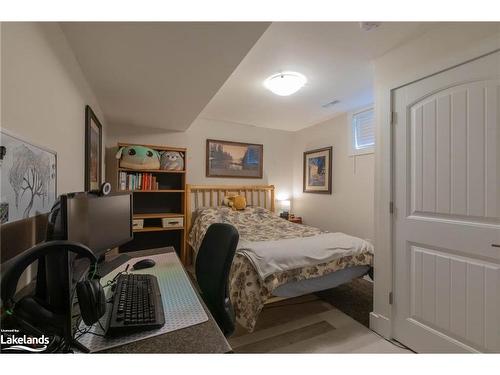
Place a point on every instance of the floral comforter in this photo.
(247, 291)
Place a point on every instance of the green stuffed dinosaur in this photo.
(138, 157)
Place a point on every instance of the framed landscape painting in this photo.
(93, 150)
(234, 159)
(318, 171)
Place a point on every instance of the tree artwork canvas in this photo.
(28, 184)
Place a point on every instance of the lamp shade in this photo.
(284, 205)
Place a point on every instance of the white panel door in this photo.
(446, 222)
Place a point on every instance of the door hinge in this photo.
(391, 207)
(393, 118)
(390, 298)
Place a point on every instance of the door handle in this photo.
(495, 245)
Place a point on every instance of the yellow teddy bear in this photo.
(236, 202)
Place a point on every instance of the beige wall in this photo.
(43, 99)
(434, 51)
(349, 208)
(43, 96)
(278, 149)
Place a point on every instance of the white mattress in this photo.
(331, 280)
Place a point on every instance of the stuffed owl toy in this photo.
(138, 157)
(172, 161)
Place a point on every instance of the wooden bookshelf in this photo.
(160, 215)
(154, 147)
(149, 171)
(157, 229)
(153, 205)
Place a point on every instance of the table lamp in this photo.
(284, 208)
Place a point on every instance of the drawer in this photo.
(137, 223)
(172, 222)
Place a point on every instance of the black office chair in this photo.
(213, 264)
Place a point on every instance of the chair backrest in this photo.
(213, 264)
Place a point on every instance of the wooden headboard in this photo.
(198, 196)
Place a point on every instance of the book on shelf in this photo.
(138, 181)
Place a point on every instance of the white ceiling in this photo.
(334, 56)
(158, 75)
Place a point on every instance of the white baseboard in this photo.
(381, 325)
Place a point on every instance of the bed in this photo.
(254, 281)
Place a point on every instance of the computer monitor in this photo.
(99, 222)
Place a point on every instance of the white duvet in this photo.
(269, 257)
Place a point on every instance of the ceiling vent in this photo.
(369, 26)
(330, 104)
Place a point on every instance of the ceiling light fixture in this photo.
(285, 83)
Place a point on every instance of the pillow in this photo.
(138, 157)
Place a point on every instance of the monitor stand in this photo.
(105, 267)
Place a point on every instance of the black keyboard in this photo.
(137, 305)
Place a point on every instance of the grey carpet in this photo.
(354, 299)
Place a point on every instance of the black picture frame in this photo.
(327, 153)
(93, 150)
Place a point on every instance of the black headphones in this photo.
(29, 310)
(90, 293)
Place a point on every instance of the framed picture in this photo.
(234, 159)
(28, 184)
(318, 171)
(93, 150)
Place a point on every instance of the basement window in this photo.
(362, 132)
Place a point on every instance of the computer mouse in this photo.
(145, 263)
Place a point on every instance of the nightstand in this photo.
(295, 219)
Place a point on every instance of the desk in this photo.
(201, 338)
